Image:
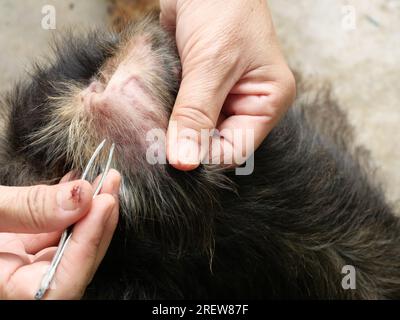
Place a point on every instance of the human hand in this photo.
(31, 222)
(234, 75)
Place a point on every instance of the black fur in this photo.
(78, 60)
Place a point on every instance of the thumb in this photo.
(43, 209)
(198, 106)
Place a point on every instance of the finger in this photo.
(37, 242)
(243, 132)
(198, 106)
(81, 256)
(45, 255)
(69, 177)
(9, 242)
(77, 266)
(108, 234)
(253, 109)
(91, 238)
(246, 112)
(111, 184)
(43, 209)
(10, 271)
(101, 221)
(34, 243)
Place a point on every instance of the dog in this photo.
(308, 211)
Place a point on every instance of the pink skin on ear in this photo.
(124, 95)
(124, 109)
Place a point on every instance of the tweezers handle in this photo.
(67, 234)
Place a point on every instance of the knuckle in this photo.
(224, 54)
(195, 117)
(285, 93)
(219, 53)
(35, 205)
(109, 200)
(277, 104)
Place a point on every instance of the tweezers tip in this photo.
(40, 294)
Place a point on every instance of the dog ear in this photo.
(124, 12)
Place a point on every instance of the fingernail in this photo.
(69, 197)
(188, 152)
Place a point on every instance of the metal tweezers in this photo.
(66, 236)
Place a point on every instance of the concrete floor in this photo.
(22, 38)
(363, 65)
